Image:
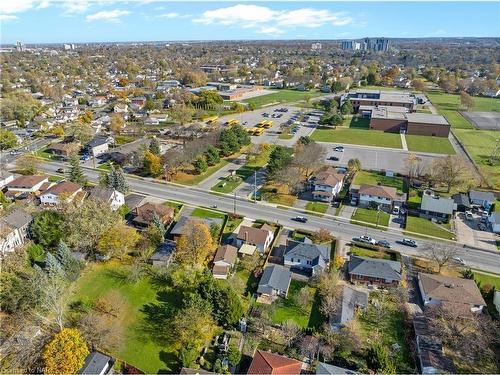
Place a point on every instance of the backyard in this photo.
(436, 145)
(379, 219)
(356, 131)
(282, 96)
(139, 346)
(426, 227)
(375, 178)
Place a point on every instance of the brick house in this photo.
(373, 271)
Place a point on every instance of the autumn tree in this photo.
(28, 163)
(117, 123)
(195, 244)
(191, 327)
(415, 167)
(66, 353)
(7, 139)
(118, 240)
(466, 101)
(329, 290)
(152, 164)
(291, 332)
(322, 235)
(308, 157)
(441, 254)
(418, 84)
(154, 146)
(292, 177)
(353, 166)
(80, 131)
(181, 113)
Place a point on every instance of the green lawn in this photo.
(177, 206)
(55, 178)
(282, 96)
(422, 143)
(357, 136)
(285, 136)
(414, 199)
(190, 177)
(427, 227)
(43, 153)
(370, 216)
(202, 212)
(288, 309)
(375, 178)
(140, 347)
(317, 207)
(480, 145)
(487, 278)
(123, 139)
(446, 101)
(362, 252)
(105, 166)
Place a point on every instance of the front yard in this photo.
(317, 207)
(378, 219)
(188, 175)
(426, 227)
(376, 178)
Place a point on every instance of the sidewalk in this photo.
(211, 180)
(403, 141)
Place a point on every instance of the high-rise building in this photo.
(316, 46)
(367, 44)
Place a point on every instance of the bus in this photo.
(259, 132)
(232, 122)
(211, 120)
(267, 124)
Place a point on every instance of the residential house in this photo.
(261, 238)
(15, 226)
(224, 261)
(304, 255)
(65, 191)
(274, 282)
(373, 271)
(378, 195)
(495, 222)
(97, 146)
(450, 292)
(120, 108)
(5, 178)
(63, 148)
(326, 184)
(194, 371)
(112, 197)
(144, 215)
(462, 202)
(98, 101)
(139, 101)
(97, 363)
(353, 299)
(247, 249)
(326, 369)
(26, 184)
(436, 207)
(155, 119)
(430, 353)
(184, 221)
(163, 254)
(270, 363)
(483, 199)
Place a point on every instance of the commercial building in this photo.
(375, 98)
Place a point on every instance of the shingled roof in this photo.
(377, 268)
(270, 363)
(378, 191)
(451, 289)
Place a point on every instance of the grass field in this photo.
(189, 177)
(282, 96)
(422, 143)
(487, 278)
(139, 347)
(289, 309)
(317, 207)
(202, 212)
(370, 216)
(427, 227)
(446, 101)
(356, 131)
(374, 178)
(359, 251)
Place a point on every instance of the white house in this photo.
(495, 222)
(112, 197)
(454, 292)
(383, 196)
(326, 184)
(63, 191)
(261, 238)
(16, 225)
(120, 108)
(5, 178)
(97, 146)
(26, 184)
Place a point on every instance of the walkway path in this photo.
(211, 180)
(403, 141)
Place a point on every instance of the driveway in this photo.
(211, 180)
(469, 234)
(245, 189)
(347, 211)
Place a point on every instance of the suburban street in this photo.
(474, 258)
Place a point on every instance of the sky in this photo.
(79, 21)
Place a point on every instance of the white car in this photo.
(459, 260)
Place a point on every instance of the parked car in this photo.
(384, 243)
(338, 149)
(300, 219)
(60, 170)
(395, 211)
(407, 242)
(334, 158)
(468, 216)
(459, 260)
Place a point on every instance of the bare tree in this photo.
(291, 177)
(54, 299)
(308, 157)
(450, 170)
(415, 167)
(304, 297)
(441, 254)
(466, 100)
(291, 332)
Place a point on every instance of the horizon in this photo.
(143, 21)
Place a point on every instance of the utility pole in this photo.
(234, 203)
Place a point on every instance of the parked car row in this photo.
(383, 243)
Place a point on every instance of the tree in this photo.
(117, 123)
(66, 353)
(329, 290)
(154, 146)
(292, 177)
(377, 359)
(304, 297)
(53, 294)
(415, 167)
(47, 228)
(118, 240)
(308, 157)
(7, 139)
(191, 327)
(69, 264)
(152, 164)
(28, 163)
(87, 117)
(418, 84)
(36, 253)
(466, 101)
(291, 332)
(322, 235)
(228, 142)
(181, 113)
(188, 356)
(346, 108)
(279, 158)
(114, 179)
(441, 253)
(200, 165)
(212, 156)
(209, 99)
(75, 171)
(81, 132)
(451, 170)
(233, 355)
(195, 244)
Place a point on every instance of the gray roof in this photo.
(178, 228)
(461, 199)
(482, 195)
(18, 218)
(164, 251)
(134, 200)
(426, 118)
(437, 204)
(101, 193)
(95, 363)
(274, 277)
(372, 267)
(97, 141)
(351, 298)
(317, 254)
(326, 369)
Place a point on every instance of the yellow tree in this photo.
(195, 245)
(118, 240)
(117, 123)
(152, 164)
(192, 327)
(66, 353)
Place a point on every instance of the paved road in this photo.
(487, 261)
(8, 158)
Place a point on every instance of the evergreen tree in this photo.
(212, 155)
(75, 171)
(120, 181)
(154, 146)
(159, 226)
(200, 165)
(52, 264)
(103, 179)
(111, 178)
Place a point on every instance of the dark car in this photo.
(300, 219)
(60, 170)
(334, 158)
(384, 243)
(407, 242)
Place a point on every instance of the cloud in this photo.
(169, 15)
(43, 5)
(7, 17)
(15, 6)
(269, 21)
(107, 15)
(72, 7)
